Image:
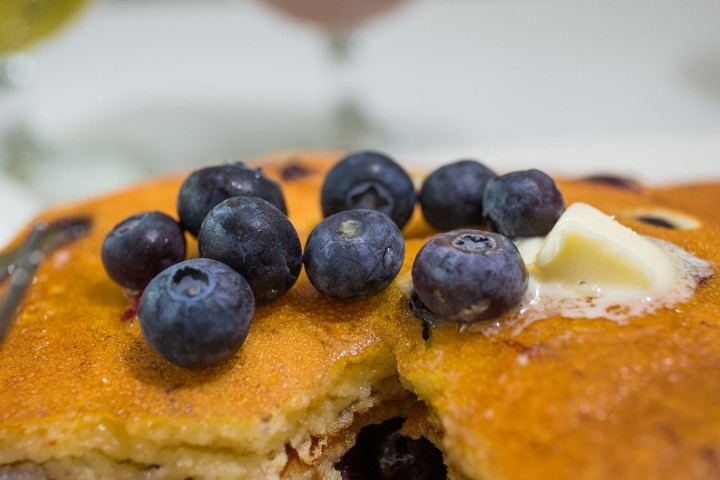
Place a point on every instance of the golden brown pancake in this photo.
(83, 396)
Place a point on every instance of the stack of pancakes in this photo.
(83, 396)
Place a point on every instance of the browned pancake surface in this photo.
(574, 398)
(561, 399)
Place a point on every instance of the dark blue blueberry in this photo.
(623, 183)
(196, 313)
(381, 452)
(354, 254)
(257, 240)
(657, 221)
(452, 196)
(523, 204)
(469, 275)
(140, 247)
(295, 171)
(205, 188)
(403, 457)
(369, 180)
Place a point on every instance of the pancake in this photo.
(83, 396)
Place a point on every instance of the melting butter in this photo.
(590, 266)
(587, 249)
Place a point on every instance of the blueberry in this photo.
(140, 247)
(523, 204)
(257, 240)
(656, 221)
(403, 457)
(452, 196)
(624, 183)
(469, 275)
(369, 180)
(354, 254)
(196, 313)
(381, 452)
(205, 188)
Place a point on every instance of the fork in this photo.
(19, 264)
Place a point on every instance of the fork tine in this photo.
(30, 257)
(42, 239)
(57, 232)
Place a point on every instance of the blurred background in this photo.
(95, 94)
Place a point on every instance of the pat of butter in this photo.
(590, 250)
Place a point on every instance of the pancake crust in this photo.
(80, 389)
(589, 398)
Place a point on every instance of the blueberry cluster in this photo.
(466, 275)
(467, 194)
(358, 249)
(469, 274)
(197, 312)
(205, 188)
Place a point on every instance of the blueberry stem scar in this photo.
(349, 229)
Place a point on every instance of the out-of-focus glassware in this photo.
(350, 126)
(24, 22)
(339, 16)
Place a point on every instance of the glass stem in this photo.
(350, 128)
